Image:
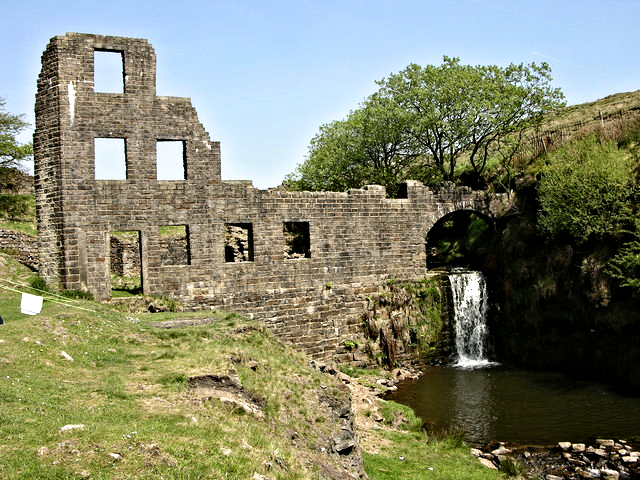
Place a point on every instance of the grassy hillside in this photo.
(585, 114)
(217, 397)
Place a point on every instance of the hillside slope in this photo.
(90, 392)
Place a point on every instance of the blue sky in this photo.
(264, 75)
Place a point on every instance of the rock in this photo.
(66, 356)
(630, 459)
(66, 428)
(501, 451)
(578, 447)
(488, 463)
(607, 474)
(115, 456)
(577, 461)
(565, 446)
(605, 442)
(553, 477)
(316, 365)
(344, 443)
(596, 451)
(476, 452)
(590, 473)
(42, 451)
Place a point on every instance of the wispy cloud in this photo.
(538, 54)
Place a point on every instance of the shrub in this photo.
(585, 190)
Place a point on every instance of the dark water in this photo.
(520, 406)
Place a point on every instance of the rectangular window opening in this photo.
(125, 263)
(297, 243)
(108, 71)
(175, 248)
(238, 242)
(171, 160)
(110, 159)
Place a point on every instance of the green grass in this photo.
(128, 384)
(413, 456)
(22, 226)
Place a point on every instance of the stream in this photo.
(491, 402)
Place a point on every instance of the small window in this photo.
(108, 71)
(170, 163)
(110, 160)
(296, 240)
(174, 245)
(238, 245)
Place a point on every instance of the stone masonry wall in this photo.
(23, 246)
(357, 239)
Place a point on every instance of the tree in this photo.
(370, 146)
(586, 190)
(12, 153)
(424, 120)
(464, 112)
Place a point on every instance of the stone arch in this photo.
(471, 238)
(433, 218)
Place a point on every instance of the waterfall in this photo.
(469, 293)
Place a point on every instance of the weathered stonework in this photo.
(315, 299)
(24, 247)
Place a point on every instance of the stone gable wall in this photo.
(357, 240)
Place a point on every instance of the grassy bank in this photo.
(221, 398)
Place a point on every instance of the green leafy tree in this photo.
(586, 190)
(370, 146)
(461, 112)
(423, 121)
(12, 153)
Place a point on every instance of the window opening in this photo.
(238, 239)
(125, 263)
(108, 71)
(171, 160)
(174, 245)
(110, 159)
(296, 240)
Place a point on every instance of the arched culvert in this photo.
(459, 239)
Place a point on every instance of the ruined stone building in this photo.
(302, 263)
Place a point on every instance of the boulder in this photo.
(564, 446)
(501, 451)
(476, 452)
(605, 442)
(344, 443)
(607, 474)
(488, 463)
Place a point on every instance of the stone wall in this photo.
(312, 296)
(20, 245)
